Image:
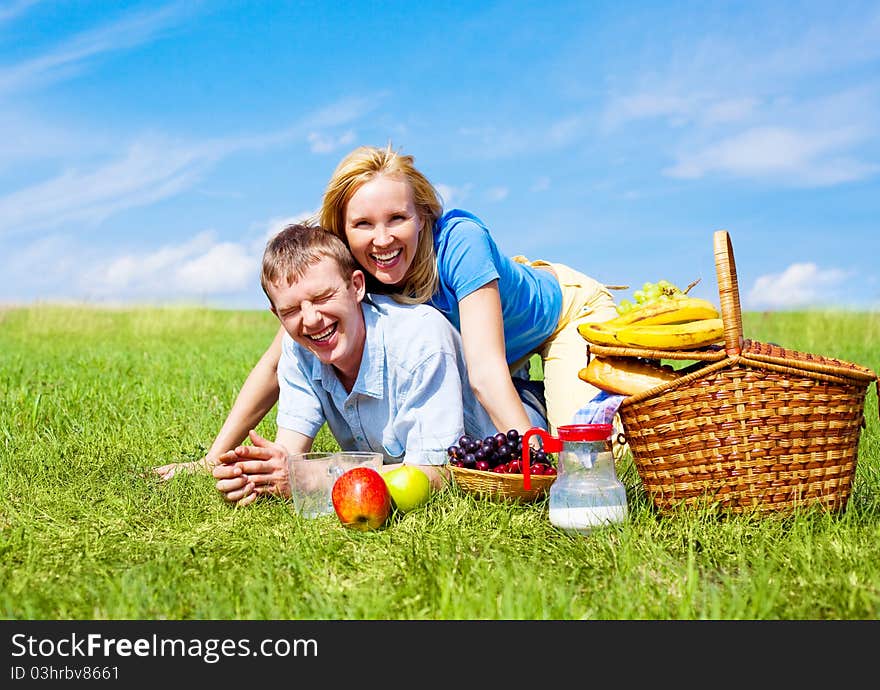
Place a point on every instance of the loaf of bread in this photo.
(625, 375)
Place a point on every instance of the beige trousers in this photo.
(564, 353)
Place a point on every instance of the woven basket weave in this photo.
(497, 486)
(753, 427)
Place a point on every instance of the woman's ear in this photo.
(359, 283)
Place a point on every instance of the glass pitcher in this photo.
(587, 493)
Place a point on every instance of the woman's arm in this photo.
(482, 334)
(256, 397)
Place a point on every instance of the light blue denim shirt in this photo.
(411, 397)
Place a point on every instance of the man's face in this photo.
(323, 314)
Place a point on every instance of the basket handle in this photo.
(728, 292)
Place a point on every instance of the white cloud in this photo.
(504, 142)
(15, 8)
(805, 158)
(27, 137)
(494, 142)
(542, 184)
(276, 225)
(147, 172)
(323, 143)
(201, 268)
(730, 110)
(799, 285)
(646, 105)
(452, 196)
(46, 268)
(562, 132)
(225, 267)
(679, 105)
(196, 269)
(843, 39)
(788, 105)
(150, 170)
(727, 77)
(497, 194)
(68, 58)
(343, 111)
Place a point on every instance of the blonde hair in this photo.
(291, 252)
(359, 167)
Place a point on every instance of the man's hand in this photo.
(168, 471)
(247, 472)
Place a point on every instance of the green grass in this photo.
(90, 400)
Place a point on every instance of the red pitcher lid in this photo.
(584, 432)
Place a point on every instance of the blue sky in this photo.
(149, 149)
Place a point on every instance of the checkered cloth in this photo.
(602, 409)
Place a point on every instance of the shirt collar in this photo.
(371, 375)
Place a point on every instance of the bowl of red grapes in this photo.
(493, 465)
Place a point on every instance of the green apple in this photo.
(409, 487)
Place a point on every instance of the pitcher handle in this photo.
(551, 444)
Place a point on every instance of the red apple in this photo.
(361, 499)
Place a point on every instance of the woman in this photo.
(507, 310)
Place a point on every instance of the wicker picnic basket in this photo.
(752, 426)
(497, 486)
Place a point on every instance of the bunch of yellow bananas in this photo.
(677, 323)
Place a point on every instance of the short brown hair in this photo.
(298, 246)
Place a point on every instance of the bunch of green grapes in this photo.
(650, 292)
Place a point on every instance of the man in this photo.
(385, 377)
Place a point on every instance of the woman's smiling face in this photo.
(382, 228)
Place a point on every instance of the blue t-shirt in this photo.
(468, 258)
